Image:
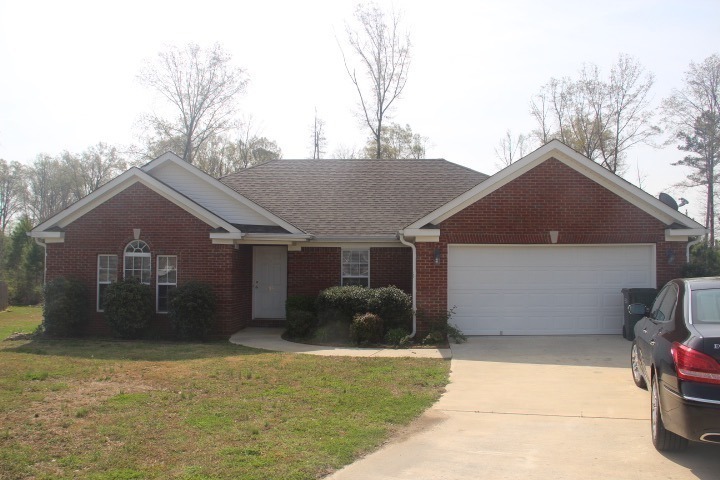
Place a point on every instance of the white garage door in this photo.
(544, 290)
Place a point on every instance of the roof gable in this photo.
(576, 161)
(52, 227)
(212, 194)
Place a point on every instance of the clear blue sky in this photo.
(68, 77)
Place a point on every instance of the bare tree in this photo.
(201, 86)
(398, 142)
(692, 114)
(383, 54)
(511, 148)
(94, 167)
(600, 118)
(318, 137)
(343, 152)
(50, 186)
(12, 192)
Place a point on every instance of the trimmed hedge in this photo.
(191, 309)
(65, 310)
(366, 328)
(128, 307)
(342, 304)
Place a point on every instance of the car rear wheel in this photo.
(663, 440)
(636, 368)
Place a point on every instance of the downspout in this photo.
(401, 237)
(690, 244)
(44, 245)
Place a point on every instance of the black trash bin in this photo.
(646, 296)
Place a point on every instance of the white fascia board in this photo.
(421, 235)
(683, 234)
(171, 157)
(120, 183)
(355, 239)
(48, 237)
(574, 160)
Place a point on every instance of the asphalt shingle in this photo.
(353, 197)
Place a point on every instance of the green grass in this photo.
(103, 409)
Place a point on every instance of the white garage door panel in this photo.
(530, 290)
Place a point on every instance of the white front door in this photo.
(269, 282)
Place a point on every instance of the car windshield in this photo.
(706, 306)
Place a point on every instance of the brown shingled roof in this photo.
(353, 197)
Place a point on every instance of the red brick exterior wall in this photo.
(552, 196)
(316, 268)
(168, 230)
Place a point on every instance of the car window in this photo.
(667, 305)
(705, 306)
(658, 301)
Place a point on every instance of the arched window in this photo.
(137, 261)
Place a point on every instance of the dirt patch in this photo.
(14, 337)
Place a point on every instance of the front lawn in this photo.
(103, 409)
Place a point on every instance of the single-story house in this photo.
(542, 247)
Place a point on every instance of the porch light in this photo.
(437, 255)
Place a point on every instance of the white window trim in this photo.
(157, 280)
(98, 307)
(343, 277)
(147, 255)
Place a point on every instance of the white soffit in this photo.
(576, 161)
(211, 193)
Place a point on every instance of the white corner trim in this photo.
(574, 160)
(171, 157)
(421, 235)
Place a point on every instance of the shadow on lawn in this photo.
(140, 350)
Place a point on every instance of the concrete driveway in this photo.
(536, 408)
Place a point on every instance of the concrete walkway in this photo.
(269, 339)
(535, 408)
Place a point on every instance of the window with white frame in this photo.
(106, 274)
(166, 280)
(356, 267)
(137, 261)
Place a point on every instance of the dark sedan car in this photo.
(676, 352)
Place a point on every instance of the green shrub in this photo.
(332, 332)
(128, 307)
(397, 337)
(191, 308)
(704, 262)
(366, 328)
(65, 311)
(305, 303)
(441, 328)
(341, 304)
(299, 323)
(394, 306)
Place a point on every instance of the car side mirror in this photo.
(638, 309)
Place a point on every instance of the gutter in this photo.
(401, 237)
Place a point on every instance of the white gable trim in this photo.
(171, 157)
(571, 158)
(117, 185)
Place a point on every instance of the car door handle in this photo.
(652, 342)
(645, 330)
